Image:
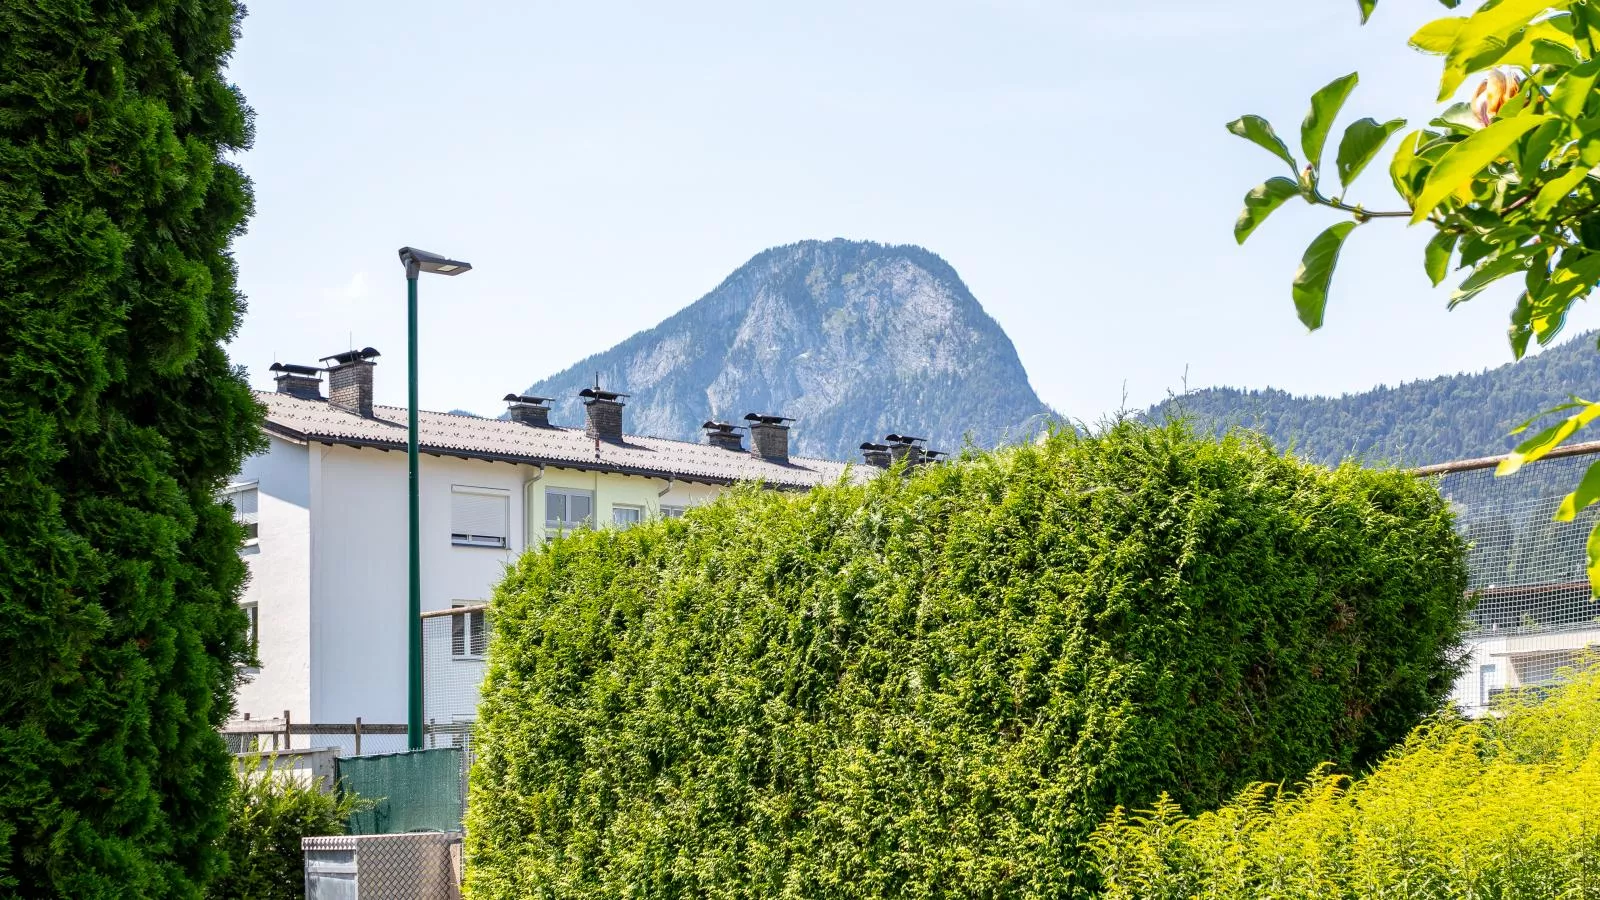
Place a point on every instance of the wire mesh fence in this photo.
(417, 866)
(1534, 612)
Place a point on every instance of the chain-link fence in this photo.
(455, 648)
(1534, 613)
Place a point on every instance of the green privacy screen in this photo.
(415, 791)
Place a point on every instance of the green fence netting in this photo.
(420, 790)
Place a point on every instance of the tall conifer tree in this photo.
(120, 418)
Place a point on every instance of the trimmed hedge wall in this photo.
(939, 685)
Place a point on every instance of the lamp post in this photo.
(416, 262)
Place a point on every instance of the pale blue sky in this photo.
(605, 164)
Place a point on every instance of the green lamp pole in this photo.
(416, 262)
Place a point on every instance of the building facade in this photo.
(326, 513)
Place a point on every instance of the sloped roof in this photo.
(469, 437)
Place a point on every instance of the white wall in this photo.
(332, 583)
(280, 582)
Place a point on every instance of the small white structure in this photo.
(326, 512)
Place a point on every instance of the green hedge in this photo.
(121, 419)
(939, 685)
(268, 815)
(1503, 807)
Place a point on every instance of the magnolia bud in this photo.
(1499, 86)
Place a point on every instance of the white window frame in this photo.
(636, 510)
(251, 522)
(470, 636)
(552, 526)
(669, 511)
(492, 542)
(252, 612)
(1490, 683)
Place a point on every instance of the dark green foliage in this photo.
(937, 686)
(1424, 422)
(120, 418)
(267, 818)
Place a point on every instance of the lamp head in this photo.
(422, 261)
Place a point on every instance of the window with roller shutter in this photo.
(479, 517)
(245, 500)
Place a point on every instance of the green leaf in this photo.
(1310, 288)
(1259, 131)
(1439, 35)
(1458, 118)
(1490, 272)
(1436, 257)
(1325, 106)
(1521, 330)
(1404, 165)
(1556, 190)
(1592, 549)
(1574, 89)
(1562, 186)
(1537, 147)
(1535, 448)
(1491, 26)
(1588, 491)
(1361, 142)
(1466, 159)
(1553, 53)
(1260, 202)
(1367, 6)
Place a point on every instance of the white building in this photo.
(326, 507)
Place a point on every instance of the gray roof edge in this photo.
(553, 462)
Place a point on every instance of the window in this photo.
(626, 516)
(567, 510)
(478, 516)
(673, 512)
(245, 500)
(1489, 684)
(252, 634)
(469, 632)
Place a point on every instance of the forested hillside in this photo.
(1440, 419)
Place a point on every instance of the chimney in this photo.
(769, 437)
(304, 382)
(350, 380)
(723, 434)
(876, 455)
(525, 410)
(603, 413)
(904, 446)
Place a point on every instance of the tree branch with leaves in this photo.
(1508, 180)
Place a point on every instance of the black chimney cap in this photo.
(598, 394)
(765, 419)
(903, 439)
(524, 398)
(350, 356)
(295, 369)
(934, 454)
(714, 425)
(876, 448)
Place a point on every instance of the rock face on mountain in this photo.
(853, 340)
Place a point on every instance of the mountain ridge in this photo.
(1417, 423)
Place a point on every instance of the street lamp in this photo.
(416, 262)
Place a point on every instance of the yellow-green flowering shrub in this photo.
(1502, 808)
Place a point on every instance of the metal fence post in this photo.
(358, 735)
(288, 734)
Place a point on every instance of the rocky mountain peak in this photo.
(852, 339)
